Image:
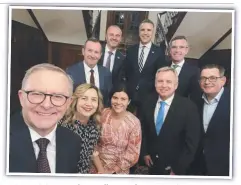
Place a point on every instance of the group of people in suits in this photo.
(184, 112)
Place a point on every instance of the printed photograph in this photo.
(120, 92)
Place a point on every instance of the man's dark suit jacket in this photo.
(139, 85)
(213, 155)
(188, 85)
(21, 153)
(118, 62)
(178, 140)
(77, 73)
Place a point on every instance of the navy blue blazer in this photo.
(77, 73)
(21, 153)
(139, 85)
(214, 149)
(118, 62)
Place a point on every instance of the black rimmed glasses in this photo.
(210, 79)
(36, 97)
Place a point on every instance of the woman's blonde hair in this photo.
(70, 115)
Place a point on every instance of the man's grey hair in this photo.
(166, 69)
(49, 67)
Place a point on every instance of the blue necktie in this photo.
(160, 117)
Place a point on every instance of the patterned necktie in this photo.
(108, 60)
(141, 59)
(160, 117)
(42, 161)
(92, 78)
(175, 66)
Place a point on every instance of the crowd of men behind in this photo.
(184, 111)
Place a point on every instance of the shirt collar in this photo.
(87, 68)
(180, 64)
(51, 136)
(107, 50)
(147, 45)
(168, 101)
(215, 99)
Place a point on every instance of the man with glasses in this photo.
(37, 144)
(188, 74)
(213, 155)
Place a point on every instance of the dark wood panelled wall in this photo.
(28, 47)
(64, 55)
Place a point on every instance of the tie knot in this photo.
(110, 53)
(175, 66)
(143, 47)
(42, 144)
(92, 71)
(162, 103)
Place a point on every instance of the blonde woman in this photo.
(83, 118)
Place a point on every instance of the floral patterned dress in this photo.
(119, 147)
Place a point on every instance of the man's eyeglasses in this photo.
(35, 97)
(211, 78)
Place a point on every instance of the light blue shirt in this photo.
(209, 108)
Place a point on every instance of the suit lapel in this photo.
(183, 73)
(82, 73)
(116, 61)
(60, 152)
(101, 77)
(24, 143)
(221, 107)
(171, 113)
(150, 58)
(101, 61)
(134, 58)
(152, 113)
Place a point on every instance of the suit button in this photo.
(157, 156)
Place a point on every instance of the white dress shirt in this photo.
(179, 67)
(146, 51)
(209, 108)
(51, 148)
(112, 58)
(168, 103)
(88, 73)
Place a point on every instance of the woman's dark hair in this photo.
(119, 87)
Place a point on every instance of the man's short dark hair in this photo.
(147, 21)
(179, 37)
(92, 39)
(212, 66)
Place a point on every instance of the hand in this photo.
(148, 160)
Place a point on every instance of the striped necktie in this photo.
(141, 59)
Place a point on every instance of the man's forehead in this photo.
(146, 24)
(182, 41)
(114, 29)
(210, 71)
(46, 77)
